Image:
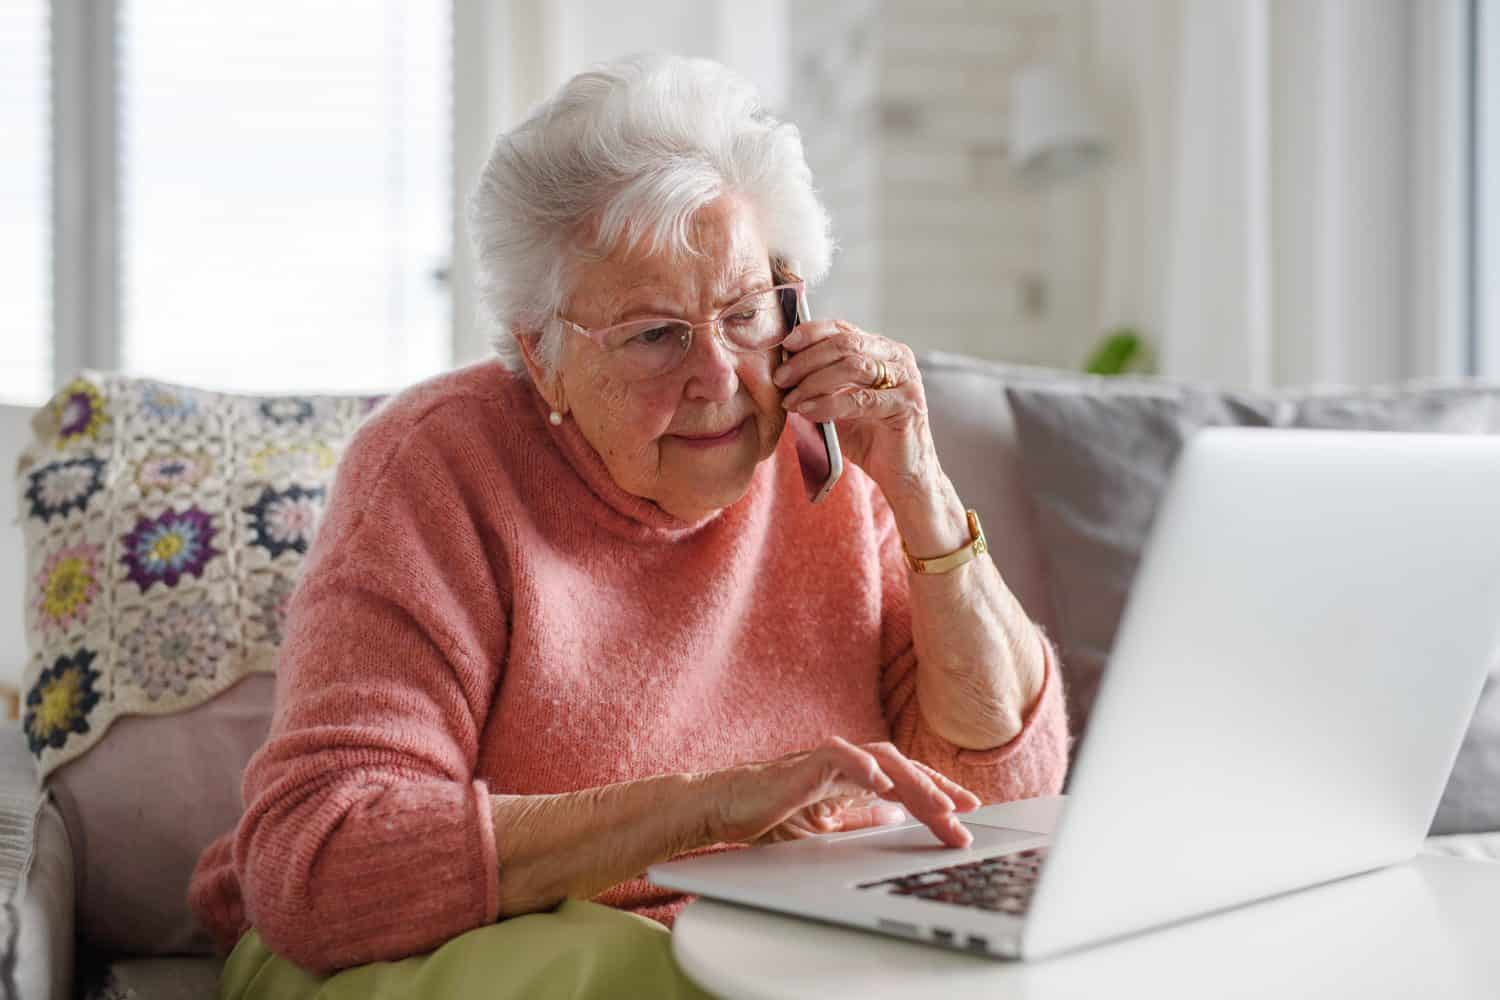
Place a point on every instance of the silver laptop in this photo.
(1300, 654)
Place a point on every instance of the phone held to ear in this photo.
(817, 444)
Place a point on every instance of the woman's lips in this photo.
(713, 442)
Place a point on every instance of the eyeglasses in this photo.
(645, 348)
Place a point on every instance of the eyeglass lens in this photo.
(757, 322)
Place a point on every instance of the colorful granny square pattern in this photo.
(165, 528)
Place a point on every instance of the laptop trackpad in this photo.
(917, 839)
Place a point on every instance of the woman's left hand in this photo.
(831, 372)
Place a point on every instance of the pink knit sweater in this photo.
(484, 610)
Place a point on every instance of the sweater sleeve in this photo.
(1034, 762)
(366, 835)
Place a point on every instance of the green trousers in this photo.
(579, 950)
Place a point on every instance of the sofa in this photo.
(129, 758)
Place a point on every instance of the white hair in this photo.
(640, 144)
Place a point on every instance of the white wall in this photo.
(586, 31)
(904, 108)
(832, 94)
(1280, 204)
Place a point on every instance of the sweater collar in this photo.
(627, 514)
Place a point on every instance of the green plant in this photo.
(1120, 351)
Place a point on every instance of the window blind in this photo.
(25, 204)
(286, 204)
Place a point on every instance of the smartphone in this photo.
(817, 444)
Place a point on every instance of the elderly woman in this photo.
(570, 611)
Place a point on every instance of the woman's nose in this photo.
(711, 365)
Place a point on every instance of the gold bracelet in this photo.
(975, 546)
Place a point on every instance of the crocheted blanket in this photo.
(164, 527)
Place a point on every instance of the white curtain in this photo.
(1285, 207)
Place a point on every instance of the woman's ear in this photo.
(549, 383)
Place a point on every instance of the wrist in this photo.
(704, 794)
(932, 520)
(672, 811)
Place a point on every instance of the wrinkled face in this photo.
(640, 428)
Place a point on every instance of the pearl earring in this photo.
(556, 419)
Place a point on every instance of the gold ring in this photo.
(883, 380)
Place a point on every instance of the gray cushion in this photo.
(1462, 408)
(1471, 802)
(1096, 456)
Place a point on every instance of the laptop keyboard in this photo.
(1002, 884)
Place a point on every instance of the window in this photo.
(25, 213)
(1485, 164)
(246, 196)
(285, 192)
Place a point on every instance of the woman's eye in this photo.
(655, 335)
(745, 316)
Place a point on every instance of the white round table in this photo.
(1429, 928)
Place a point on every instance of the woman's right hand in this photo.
(554, 846)
(834, 787)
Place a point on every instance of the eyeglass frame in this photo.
(715, 322)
